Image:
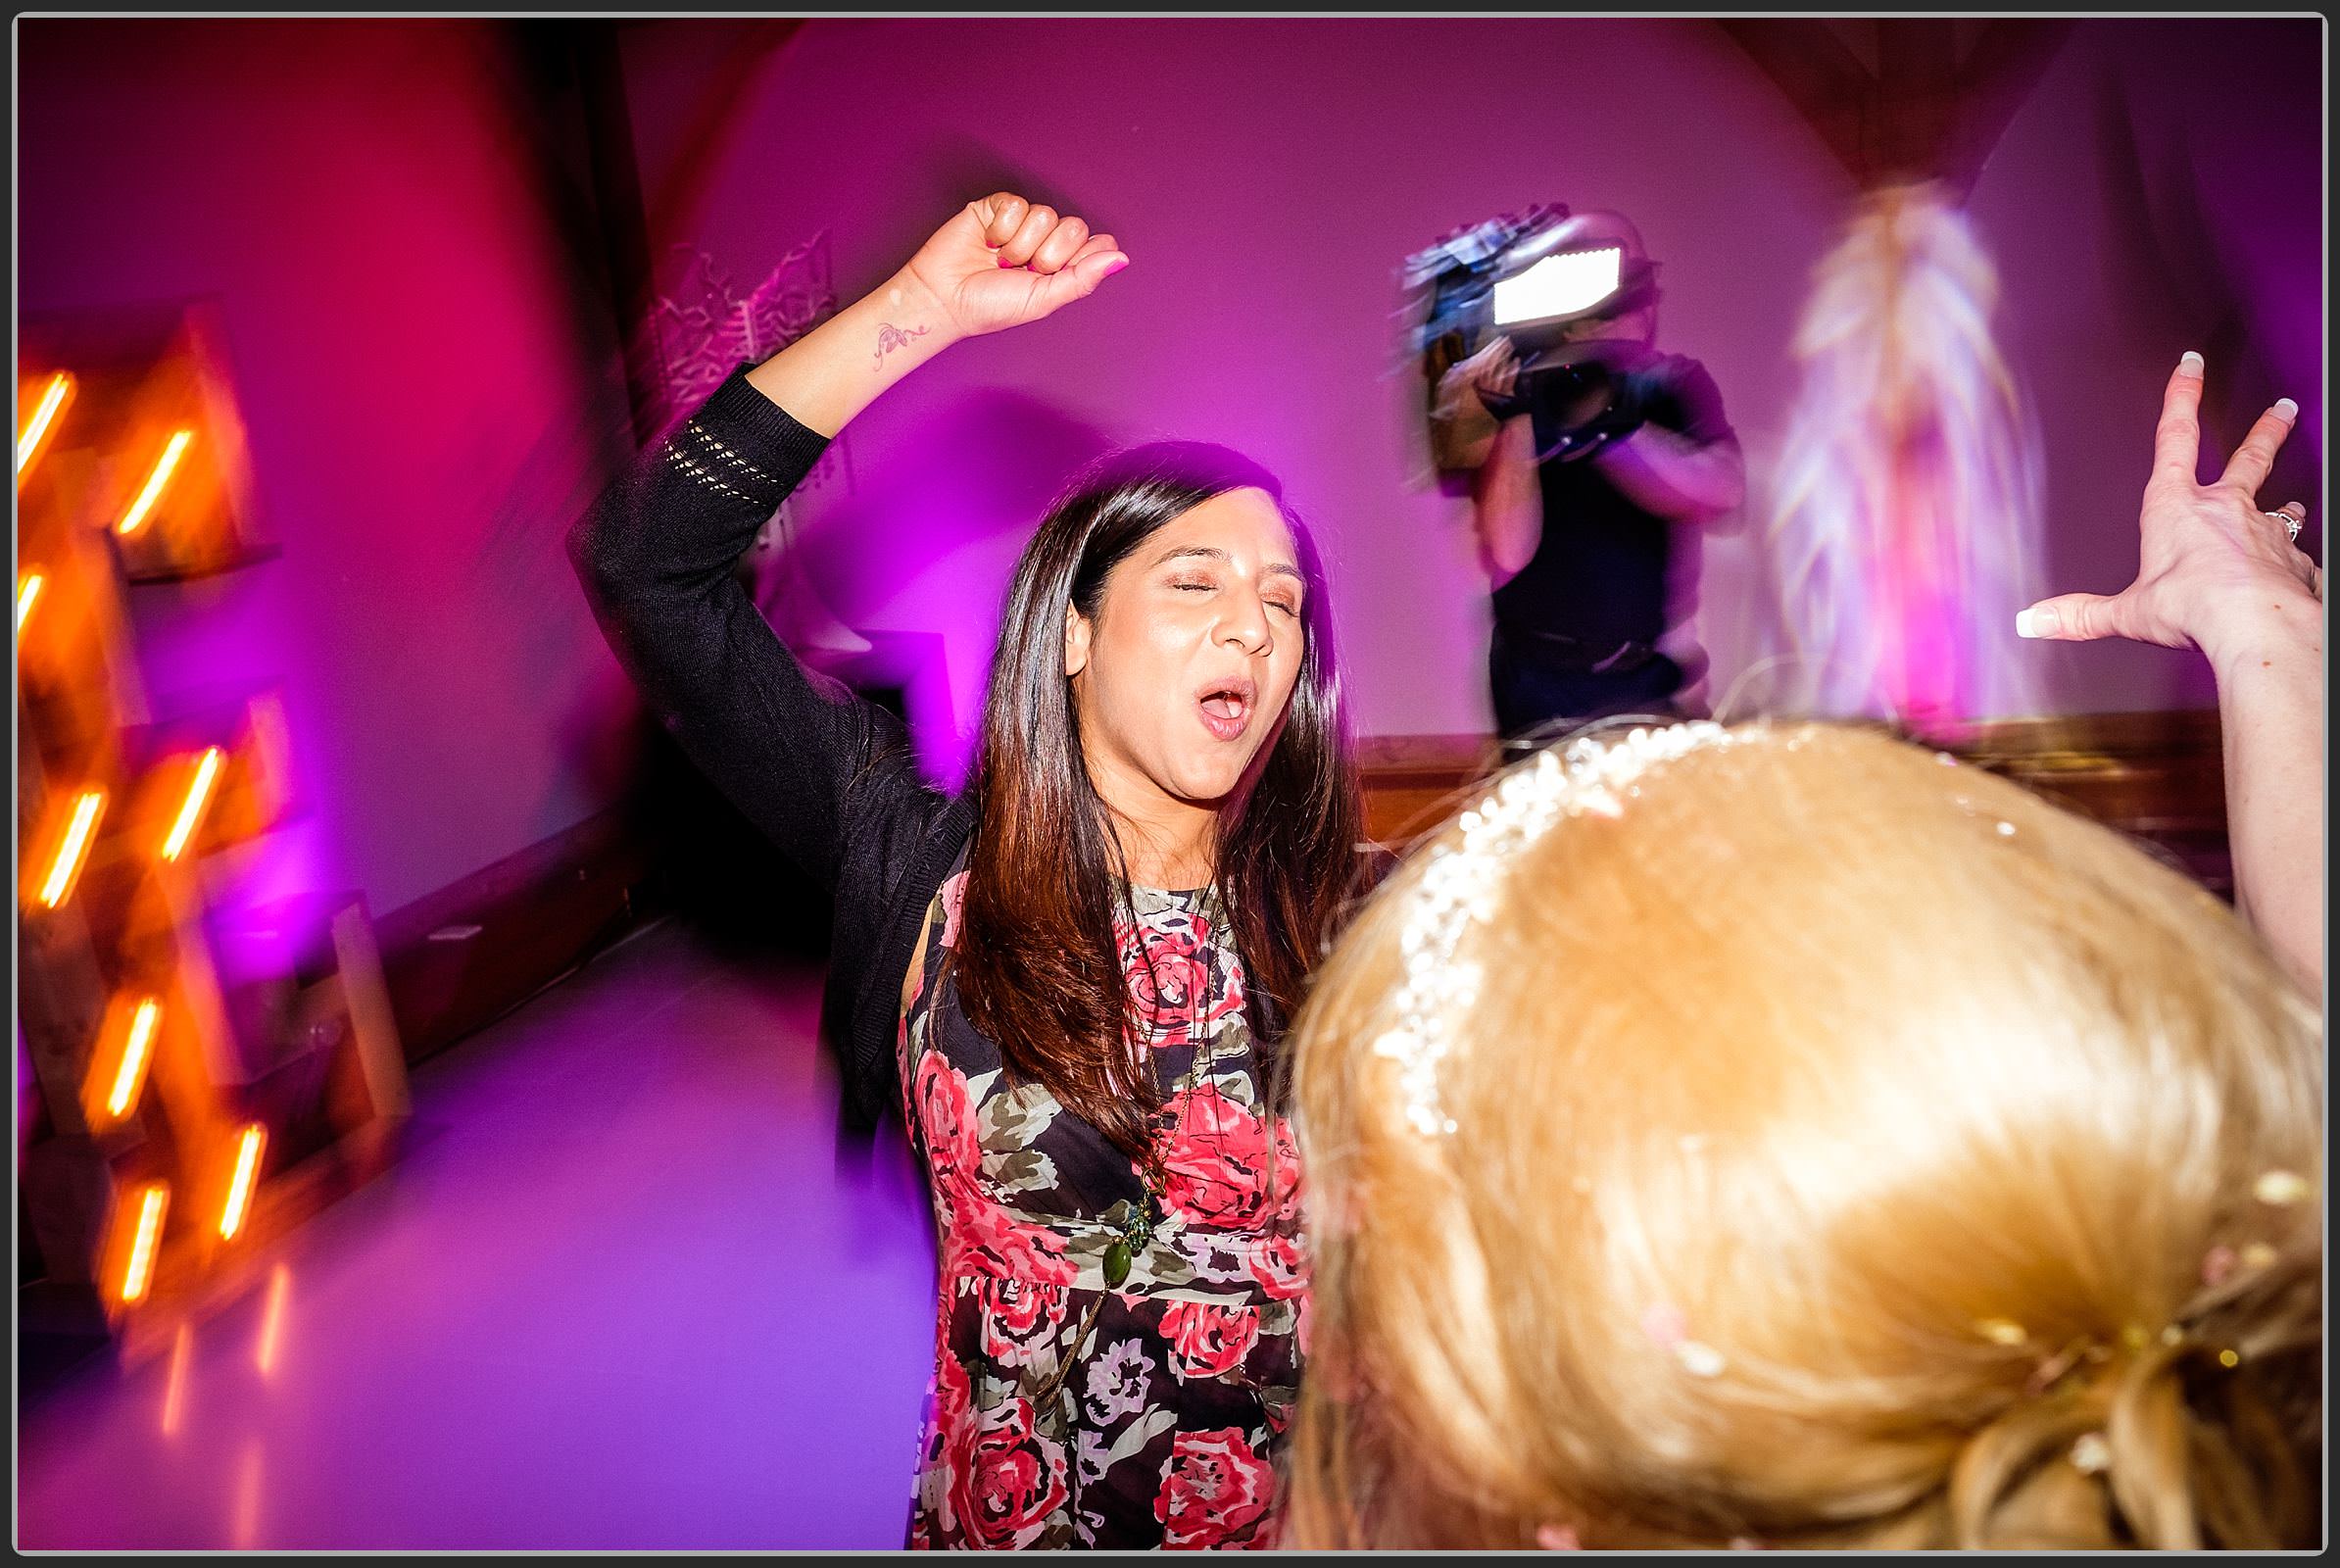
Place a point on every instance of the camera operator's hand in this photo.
(1002, 262)
(1582, 405)
(1493, 371)
(1462, 424)
(1632, 394)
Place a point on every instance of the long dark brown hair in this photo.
(1038, 967)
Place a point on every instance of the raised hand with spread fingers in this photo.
(2219, 571)
(2207, 552)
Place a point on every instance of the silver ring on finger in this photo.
(2291, 524)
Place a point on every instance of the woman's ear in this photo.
(1076, 641)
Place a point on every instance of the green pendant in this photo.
(1117, 1264)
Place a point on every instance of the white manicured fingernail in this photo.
(2189, 364)
(2286, 409)
(2038, 621)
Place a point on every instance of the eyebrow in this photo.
(1274, 568)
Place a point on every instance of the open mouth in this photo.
(1225, 708)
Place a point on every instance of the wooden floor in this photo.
(627, 1289)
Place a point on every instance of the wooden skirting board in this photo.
(2154, 776)
(456, 960)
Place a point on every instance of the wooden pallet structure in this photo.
(205, 1073)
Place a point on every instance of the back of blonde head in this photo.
(1848, 1149)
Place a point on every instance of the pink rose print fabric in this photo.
(1063, 1413)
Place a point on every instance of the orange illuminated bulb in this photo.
(155, 483)
(44, 416)
(190, 812)
(75, 849)
(134, 1054)
(140, 1271)
(27, 592)
(247, 1171)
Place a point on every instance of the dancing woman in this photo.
(1071, 978)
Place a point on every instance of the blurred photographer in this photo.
(1592, 460)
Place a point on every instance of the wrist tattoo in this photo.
(892, 337)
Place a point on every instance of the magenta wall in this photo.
(2162, 189)
(426, 405)
(1266, 177)
(430, 400)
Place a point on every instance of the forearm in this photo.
(2270, 671)
(1462, 433)
(684, 510)
(1507, 502)
(840, 368)
(1667, 474)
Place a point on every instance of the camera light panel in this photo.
(1566, 284)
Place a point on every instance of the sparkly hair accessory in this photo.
(1459, 884)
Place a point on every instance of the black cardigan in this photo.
(826, 775)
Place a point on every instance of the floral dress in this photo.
(1062, 1412)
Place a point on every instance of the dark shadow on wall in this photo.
(945, 174)
(714, 870)
(2195, 207)
(985, 468)
(716, 873)
(557, 138)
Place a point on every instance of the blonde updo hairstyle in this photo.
(1849, 1147)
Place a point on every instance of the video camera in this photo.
(1537, 279)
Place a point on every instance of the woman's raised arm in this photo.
(2217, 572)
(999, 263)
(656, 552)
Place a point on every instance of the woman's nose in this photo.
(1246, 624)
